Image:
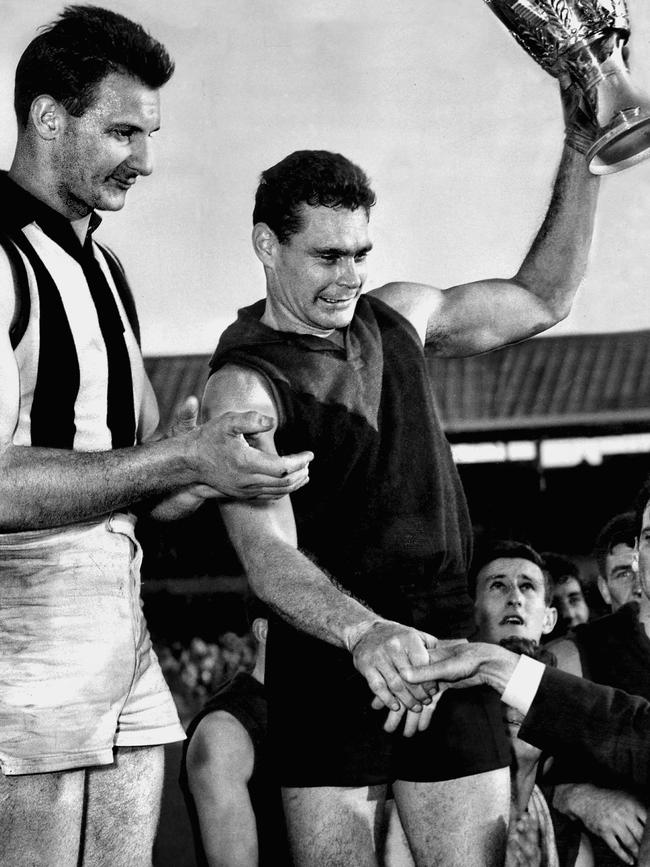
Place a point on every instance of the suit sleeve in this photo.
(596, 723)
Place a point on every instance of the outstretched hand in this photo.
(463, 665)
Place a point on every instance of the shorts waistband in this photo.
(115, 522)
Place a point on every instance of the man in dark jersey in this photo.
(232, 798)
(366, 567)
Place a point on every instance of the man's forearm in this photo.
(304, 595)
(42, 487)
(557, 259)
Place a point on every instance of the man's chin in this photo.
(111, 201)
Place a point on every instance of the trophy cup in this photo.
(584, 40)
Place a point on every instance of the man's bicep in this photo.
(237, 389)
(416, 302)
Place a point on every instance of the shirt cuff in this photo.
(522, 687)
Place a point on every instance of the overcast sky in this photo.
(459, 130)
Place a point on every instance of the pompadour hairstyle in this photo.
(316, 178)
(70, 57)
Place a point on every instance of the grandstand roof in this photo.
(569, 385)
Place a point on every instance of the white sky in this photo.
(459, 130)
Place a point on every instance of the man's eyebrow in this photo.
(130, 125)
(341, 251)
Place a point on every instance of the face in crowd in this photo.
(621, 582)
(511, 599)
(569, 601)
(643, 565)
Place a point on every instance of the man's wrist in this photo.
(352, 635)
(520, 677)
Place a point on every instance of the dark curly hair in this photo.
(73, 54)
(316, 178)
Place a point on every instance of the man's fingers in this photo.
(378, 685)
(185, 416)
(394, 718)
(444, 669)
(246, 423)
(411, 697)
(298, 462)
(617, 849)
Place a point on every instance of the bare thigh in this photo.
(456, 823)
(41, 818)
(123, 807)
(332, 826)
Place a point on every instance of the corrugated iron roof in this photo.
(569, 385)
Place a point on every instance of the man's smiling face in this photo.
(511, 600)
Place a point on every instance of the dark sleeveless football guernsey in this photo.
(384, 513)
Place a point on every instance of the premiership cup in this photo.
(584, 39)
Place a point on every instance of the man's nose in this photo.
(141, 158)
(349, 274)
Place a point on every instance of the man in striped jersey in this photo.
(84, 710)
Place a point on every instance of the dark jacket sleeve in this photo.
(595, 723)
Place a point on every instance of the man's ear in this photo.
(604, 590)
(265, 243)
(47, 116)
(259, 628)
(550, 619)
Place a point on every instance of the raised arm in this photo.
(43, 487)
(264, 536)
(484, 315)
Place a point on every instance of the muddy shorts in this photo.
(78, 675)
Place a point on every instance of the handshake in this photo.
(452, 664)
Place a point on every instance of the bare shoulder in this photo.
(234, 388)
(222, 744)
(566, 652)
(416, 302)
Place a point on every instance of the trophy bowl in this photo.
(585, 39)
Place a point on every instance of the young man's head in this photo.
(512, 593)
(310, 231)
(616, 557)
(567, 593)
(86, 101)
